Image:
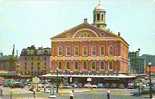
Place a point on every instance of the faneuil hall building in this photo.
(90, 49)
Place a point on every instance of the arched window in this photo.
(93, 65)
(98, 17)
(59, 65)
(60, 51)
(67, 65)
(102, 16)
(102, 65)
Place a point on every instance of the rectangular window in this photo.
(93, 65)
(98, 16)
(85, 51)
(85, 65)
(93, 51)
(76, 65)
(67, 65)
(102, 64)
(101, 51)
(76, 51)
(110, 65)
(60, 51)
(68, 51)
(59, 65)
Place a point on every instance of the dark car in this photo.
(18, 85)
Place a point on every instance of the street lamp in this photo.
(150, 83)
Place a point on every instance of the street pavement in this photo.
(18, 93)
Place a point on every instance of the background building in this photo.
(149, 58)
(8, 64)
(88, 48)
(33, 61)
(136, 63)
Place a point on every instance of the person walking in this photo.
(71, 94)
(108, 94)
(34, 93)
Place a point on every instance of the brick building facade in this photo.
(90, 48)
(34, 61)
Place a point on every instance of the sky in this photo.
(34, 22)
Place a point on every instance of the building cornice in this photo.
(106, 58)
(85, 39)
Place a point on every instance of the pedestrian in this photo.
(71, 94)
(34, 93)
(108, 94)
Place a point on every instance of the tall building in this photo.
(33, 61)
(136, 63)
(90, 48)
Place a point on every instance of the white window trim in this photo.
(60, 47)
(66, 50)
(75, 51)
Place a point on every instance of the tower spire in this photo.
(13, 50)
(99, 16)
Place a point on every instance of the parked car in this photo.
(100, 85)
(9, 82)
(93, 86)
(88, 85)
(17, 85)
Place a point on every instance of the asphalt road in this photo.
(96, 94)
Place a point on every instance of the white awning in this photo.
(92, 76)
